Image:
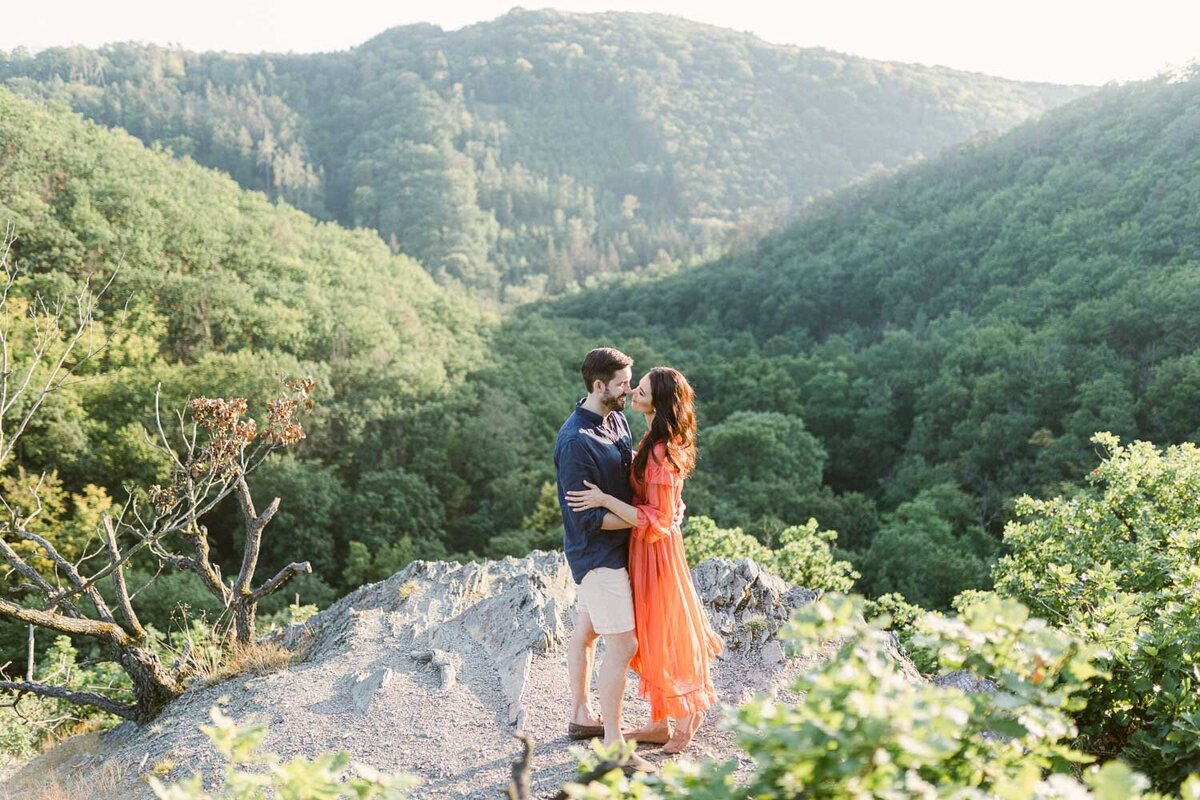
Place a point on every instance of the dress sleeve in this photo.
(656, 515)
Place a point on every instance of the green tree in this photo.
(756, 464)
(927, 550)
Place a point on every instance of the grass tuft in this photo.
(259, 658)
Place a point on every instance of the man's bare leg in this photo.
(619, 649)
(581, 653)
(588, 670)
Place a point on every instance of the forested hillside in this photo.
(904, 361)
(524, 155)
(951, 336)
(217, 292)
(900, 364)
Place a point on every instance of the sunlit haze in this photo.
(1063, 42)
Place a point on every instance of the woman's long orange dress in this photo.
(675, 641)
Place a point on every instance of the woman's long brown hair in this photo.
(674, 422)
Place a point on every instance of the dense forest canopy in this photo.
(907, 358)
(955, 331)
(524, 155)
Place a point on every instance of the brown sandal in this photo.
(579, 732)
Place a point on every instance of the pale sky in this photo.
(1062, 41)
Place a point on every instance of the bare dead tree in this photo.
(210, 455)
(228, 457)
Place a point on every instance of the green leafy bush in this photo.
(864, 729)
(864, 726)
(1117, 566)
(892, 612)
(249, 773)
(804, 556)
(35, 721)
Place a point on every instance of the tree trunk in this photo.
(244, 602)
(244, 609)
(153, 684)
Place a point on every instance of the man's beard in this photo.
(613, 402)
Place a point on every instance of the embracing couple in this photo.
(622, 510)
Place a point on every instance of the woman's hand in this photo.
(591, 497)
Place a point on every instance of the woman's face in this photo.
(640, 397)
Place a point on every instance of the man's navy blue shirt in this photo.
(600, 450)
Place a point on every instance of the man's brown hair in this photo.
(601, 364)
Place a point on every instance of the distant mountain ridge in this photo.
(523, 155)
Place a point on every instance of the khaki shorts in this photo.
(606, 597)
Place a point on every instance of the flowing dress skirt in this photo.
(676, 643)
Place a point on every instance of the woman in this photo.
(675, 641)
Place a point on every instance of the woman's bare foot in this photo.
(652, 733)
(685, 729)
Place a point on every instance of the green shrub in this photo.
(44, 720)
(863, 729)
(249, 773)
(804, 556)
(1117, 566)
(892, 612)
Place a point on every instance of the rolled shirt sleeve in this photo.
(575, 466)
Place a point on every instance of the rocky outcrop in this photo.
(501, 613)
(433, 670)
(747, 605)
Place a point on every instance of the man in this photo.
(594, 445)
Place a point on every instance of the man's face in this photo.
(613, 395)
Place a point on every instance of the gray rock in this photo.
(772, 652)
(442, 661)
(965, 682)
(367, 685)
(736, 592)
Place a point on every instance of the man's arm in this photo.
(576, 465)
